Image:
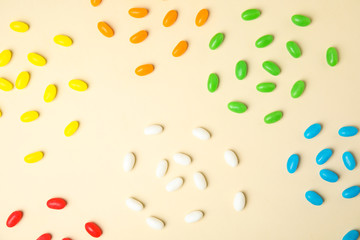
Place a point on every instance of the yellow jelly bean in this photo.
(18, 26)
(5, 57)
(5, 84)
(0, 113)
(34, 157)
(78, 85)
(63, 40)
(22, 80)
(36, 59)
(29, 116)
(71, 128)
(50, 93)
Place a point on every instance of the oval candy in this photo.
(34, 157)
(153, 129)
(216, 41)
(175, 184)
(71, 128)
(237, 107)
(213, 82)
(200, 181)
(273, 117)
(19, 26)
(155, 223)
(293, 163)
(56, 203)
(182, 159)
(50, 93)
(29, 116)
(36, 59)
(349, 160)
(250, 14)
(351, 192)
(314, 198)
(264, 41)
(332, 56)
(201, 17)
(231, 158)
(139, 37)
(351, 235)
(201, 133)
(134, 204)
(63, 40)
(105, 29)
(144, 69)
(5, 57)
(93, 229)
(328, 175)
(294, 49)
(6, 85)
(22, 80)
(45, 236)
(194, 216)
(66, 239)
(239, 201)
(312, 131)
(170, 18)
(14, 218)
(297, 89)
(271, 67)
(241, 69)
(348, 131)
(138, 12)
(180, 49)
(95, 3)
(162, 168)
(323, 156)
(129, 162)
(300, 20)
(266, 87)
(78, 85)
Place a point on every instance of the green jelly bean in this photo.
(298, 89)
(332, 56)
(250, 14)
(264, 41)
(271, 68)
(237, 107)
(300, 20)
(266, 87)
(216, 41)
(213, 82)
(241, 69)
(294, 49)
(273, 117)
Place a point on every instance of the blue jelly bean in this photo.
(293, 163)
(349, 160)
(351, 235)
(312, 131)
(314, 198)
(323, 156)
(329, 175)
(351, 192)
(348, 131)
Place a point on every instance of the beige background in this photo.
(86, 169)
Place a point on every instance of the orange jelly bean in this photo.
(139, 36)
(105, 29)
(138, 12)
(201, 17)
(180, 49)
(96, 3)
(170, 18)
(144, 69)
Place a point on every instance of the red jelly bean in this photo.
(56, 203)
(45, 236)
(93, 229)
(66, 239)
(14, 218)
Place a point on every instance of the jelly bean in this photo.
(194, 216)
(201, 17)
(78, 85)
(129, 162)
(175, 184)
(139, 37)
(6, 85)
(96, 3)
(332, 56)
(56, 203)
(5, 57)
(71, 128)
(351, 192)
(273, 117)
(314, 198)
(250, 14)
(271, 68)
(297, 89)
(105, 29)
(323, 156)
(50, 93)
(312, 131)
(14, 219)
(200, 181)
(239, 201)
(45, 236)
(66, 239)
(138, 12)
(155, 223)
(162, 168)
(22, 80)
(300, 20)
(231, 158)
(348, 131)
(349, 160)
(264, 41)
(93, 229)
(180, 49)
(329, 175)
(266, 87)
(29, 116)
(134, 204)
(294, 49)
(237, 107)
(144, 69)
(182, 159)
(34, 157)
(351, 235)
(216, 41)
(63, 40)
(153, 129)
(213, 82)
(0, 113)
(19, 26)
(241, 69)
(201, 133)
(292, 163)
(36, 59)
(170, 18)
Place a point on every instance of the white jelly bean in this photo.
(239, 201)
(200, 181)
(231, 158)
(129, 162)
(162, 168)
(194, 216)
(153, 129)
(134, 204)
(182, 159)
(175, 184)
(201, 133)
(155, 223)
